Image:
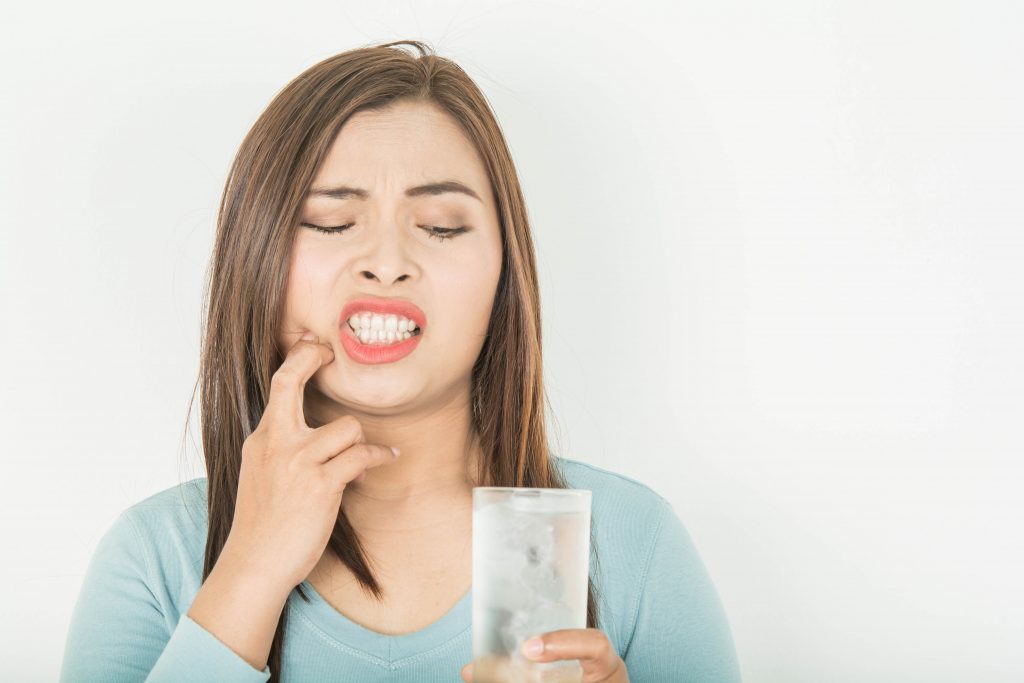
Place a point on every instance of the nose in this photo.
(386, 260)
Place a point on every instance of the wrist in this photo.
(249, 570)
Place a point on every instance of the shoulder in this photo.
(150, 560)
(627, 519)
(616, 498)
(181, 507)
(585, 471)
(171, 527)
(658, 603)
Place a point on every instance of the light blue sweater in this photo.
(658, 606)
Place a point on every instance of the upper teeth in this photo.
(388, 323)
(375, 328)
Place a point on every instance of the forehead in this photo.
(408, 143)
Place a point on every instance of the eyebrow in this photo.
(343, 192)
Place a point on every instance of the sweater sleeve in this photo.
(680, 633)
(118, 631)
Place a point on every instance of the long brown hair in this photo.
(244, 296)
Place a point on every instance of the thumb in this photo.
(467, 673)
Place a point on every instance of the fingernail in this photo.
(395, 451)
(533, 647)
(309, 336)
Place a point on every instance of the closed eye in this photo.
(443, 234)
(328, 229)
(434, 231)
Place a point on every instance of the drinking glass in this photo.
(531, 554)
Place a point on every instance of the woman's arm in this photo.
(119, 634)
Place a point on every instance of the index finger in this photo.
(304, 358)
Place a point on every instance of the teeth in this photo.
(384, 324)
(372, 328)
(382, 336)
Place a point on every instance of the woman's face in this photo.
(389, 252)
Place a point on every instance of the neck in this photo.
(435, 473)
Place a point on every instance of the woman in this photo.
(373, 288)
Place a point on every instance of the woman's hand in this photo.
(293, 477)
(590, 646)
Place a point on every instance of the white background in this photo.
(780, 249)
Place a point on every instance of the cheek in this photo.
(469, 295)
(310, 279)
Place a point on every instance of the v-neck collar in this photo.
(382, 648)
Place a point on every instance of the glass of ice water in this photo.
(531, 554)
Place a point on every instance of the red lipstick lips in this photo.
(372, 354)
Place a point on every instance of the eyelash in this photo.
(440, 234)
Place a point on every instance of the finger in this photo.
(467, 673)
(590, 646)
(304, 358)
(345, 467)
(333, 438)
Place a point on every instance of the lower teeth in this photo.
(383, 342)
